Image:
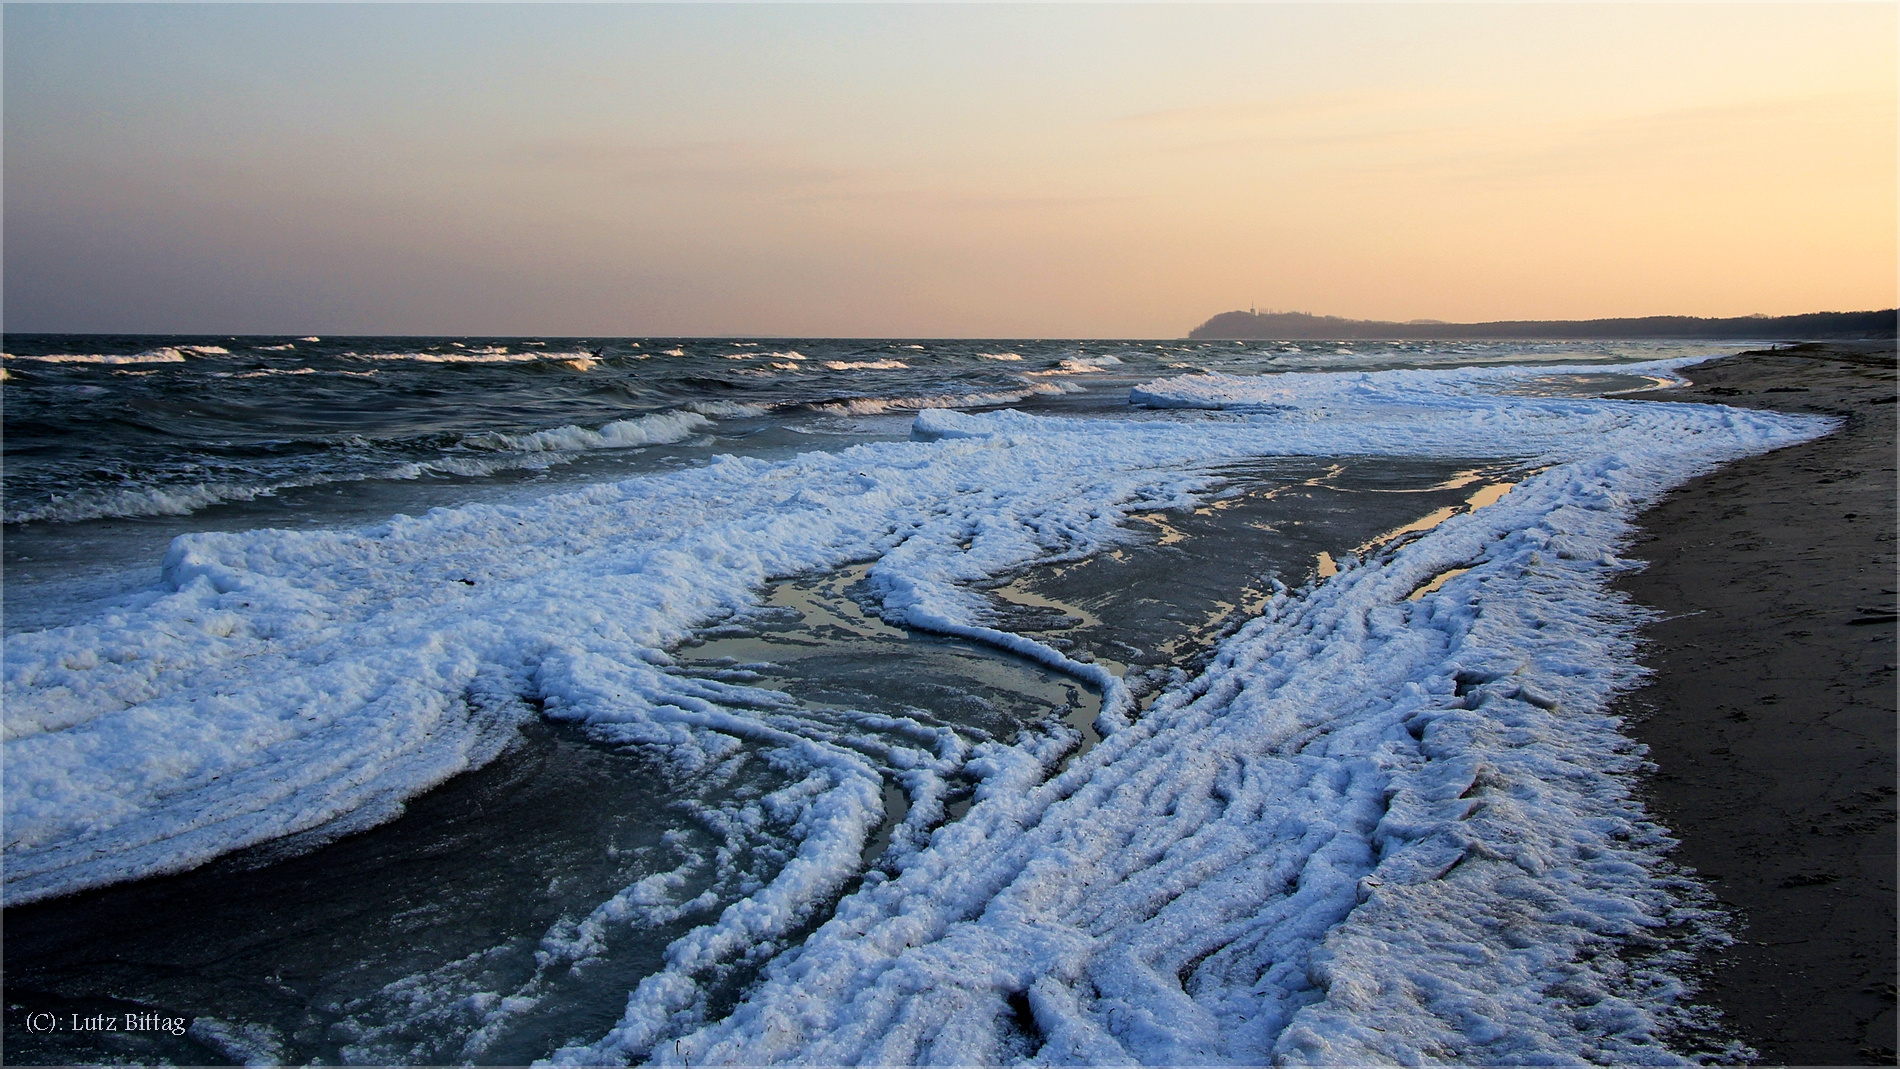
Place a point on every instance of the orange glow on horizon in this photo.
(1121, 171)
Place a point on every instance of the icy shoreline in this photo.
(292, 681)
(1372, 833)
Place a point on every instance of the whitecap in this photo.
(166, 355)
(871, 406)
(866, 365)
(659, 428)
(486, 355)
(728, 409)
(1079, 365)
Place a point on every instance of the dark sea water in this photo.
(490, 922)
(116, 443)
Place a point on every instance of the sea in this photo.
(398, 700)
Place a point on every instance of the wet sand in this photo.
(1771, 718)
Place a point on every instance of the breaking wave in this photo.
(871, 406)
(170, 354)
(487, 355)
(498, 452)
(866, 365)
(661, 428)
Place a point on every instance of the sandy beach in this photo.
(1771, 715)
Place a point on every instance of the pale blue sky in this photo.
(934, 171)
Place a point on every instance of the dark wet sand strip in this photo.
(1771, 717)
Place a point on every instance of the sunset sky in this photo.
(937, 171)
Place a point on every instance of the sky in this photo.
(972, 170)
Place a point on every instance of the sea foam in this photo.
(490, 354)
(659, 428)
(171, 354)
(1374, 830)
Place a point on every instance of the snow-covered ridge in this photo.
(1312, 840)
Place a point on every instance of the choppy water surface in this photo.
(114, 444)
(510, 912)
(396, 945)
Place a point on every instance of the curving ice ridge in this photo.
(1374, 830)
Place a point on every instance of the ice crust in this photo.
(1373, 831)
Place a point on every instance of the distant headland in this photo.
(1300, 326)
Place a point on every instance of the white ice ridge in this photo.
(1374, 832)
(286, 682)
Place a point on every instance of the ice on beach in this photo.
(1375, 830)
